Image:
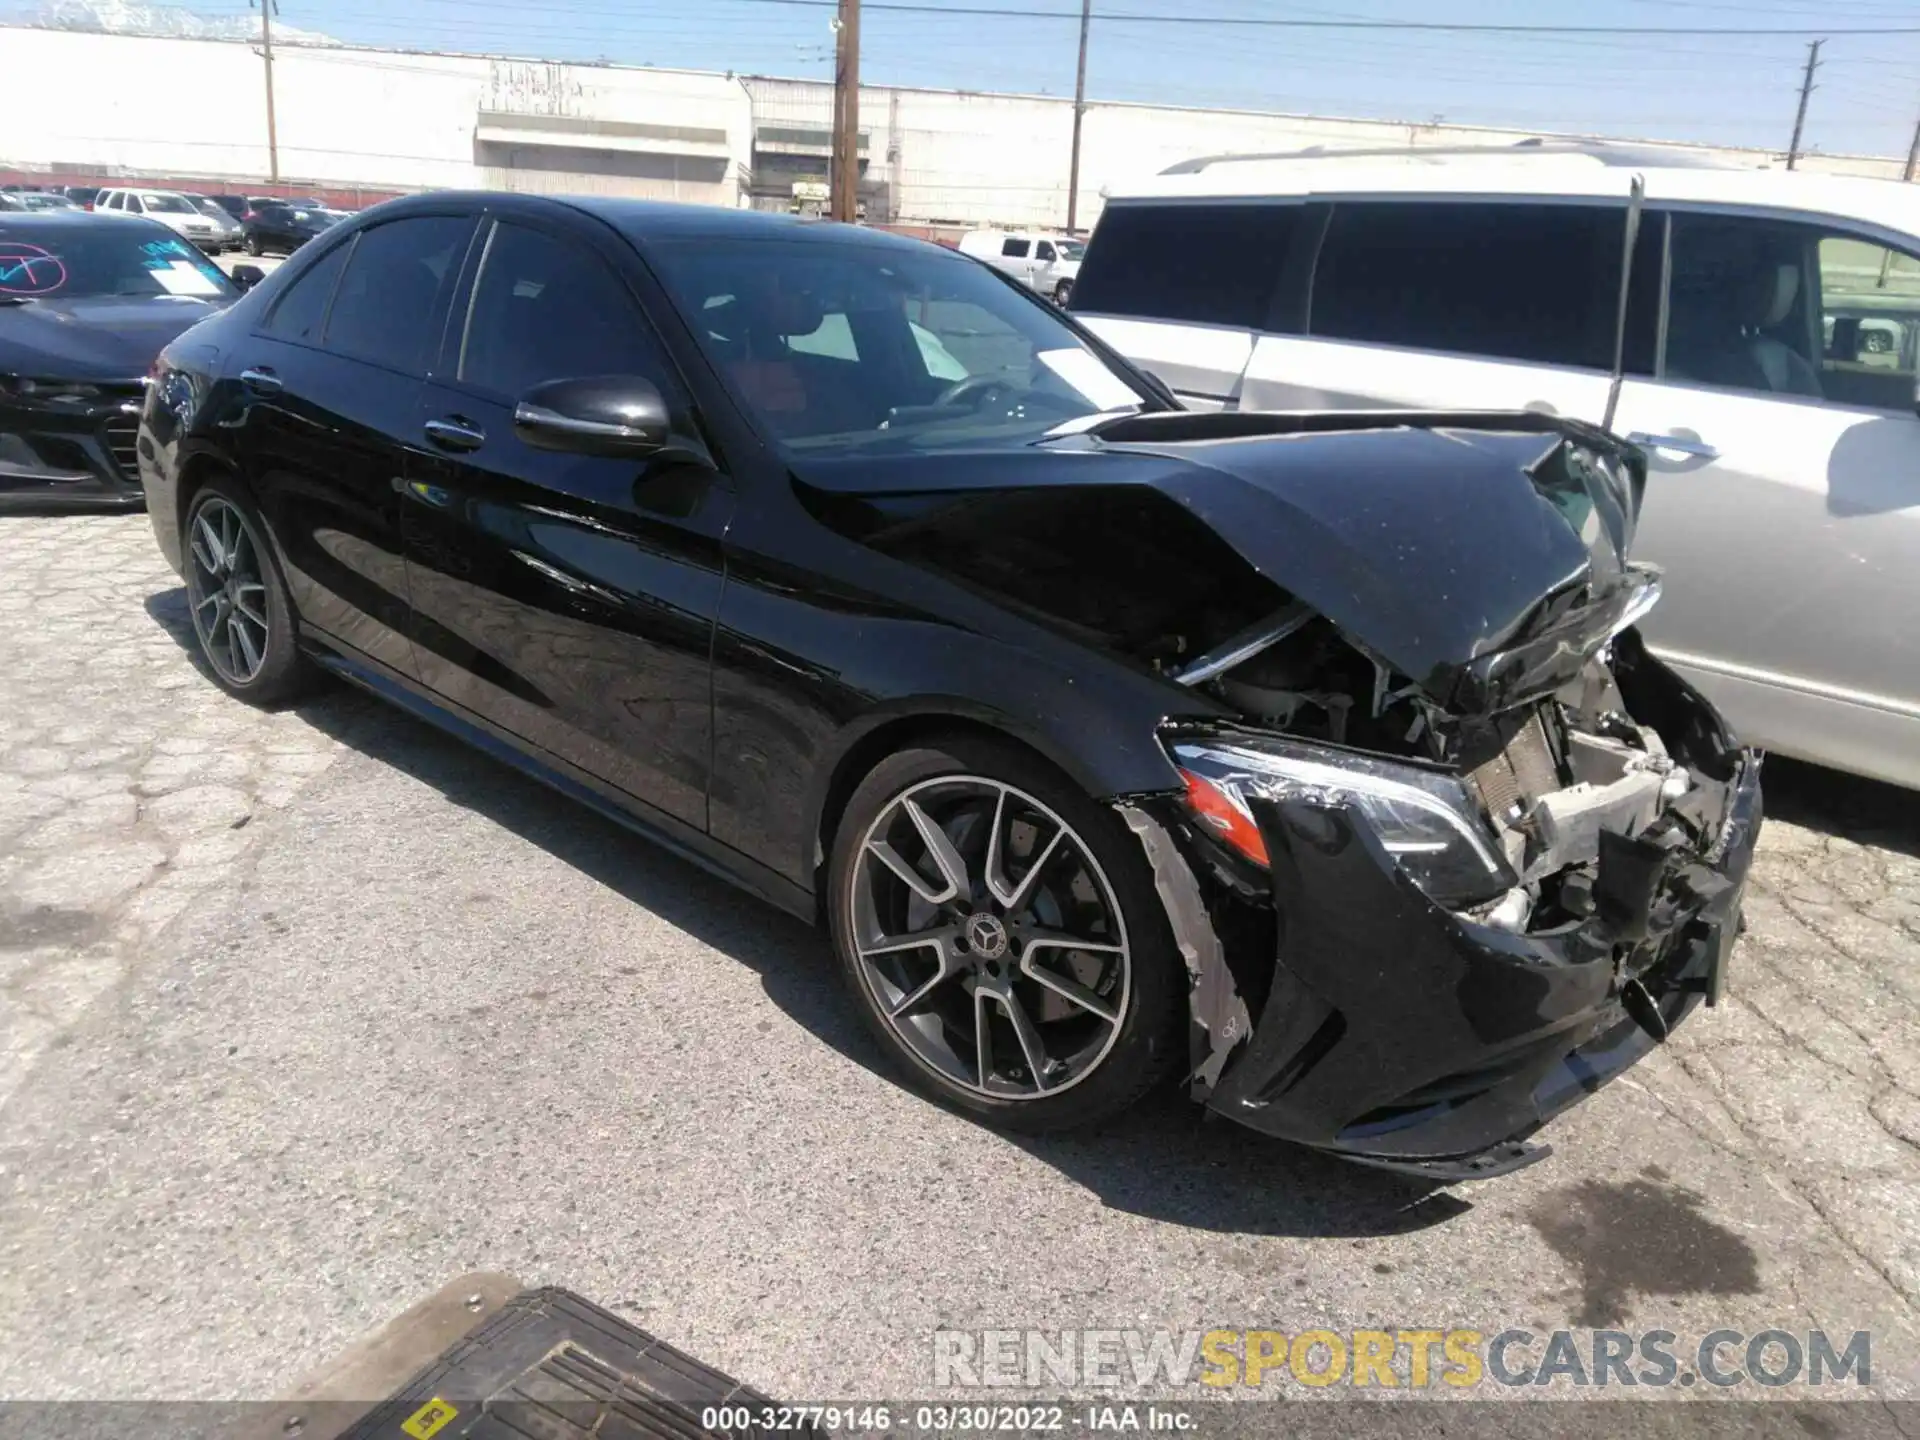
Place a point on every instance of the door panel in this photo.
(570, 599)
(1791, 555)
(1290, 372)
(325, 434)
(1201, 364)
(1783, 493)
(325, 454)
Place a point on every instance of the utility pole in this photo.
(844, 187)
(266, 52)
(1913, 155)
(1079, 114)
(1806, 89)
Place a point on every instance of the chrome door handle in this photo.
(455, 434)
(1679, 444)
(262, 381)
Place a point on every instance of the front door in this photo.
(1783, 491)
(568, 599)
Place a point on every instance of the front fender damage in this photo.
(1220, 1022)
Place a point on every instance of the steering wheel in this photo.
(969, 386)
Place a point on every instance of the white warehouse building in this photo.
(90, 105)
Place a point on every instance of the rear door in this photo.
(569, 599)
(1459, 304)
(334, 377)
(1783, 490)
(1183, 289)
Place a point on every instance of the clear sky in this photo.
(1735, 89)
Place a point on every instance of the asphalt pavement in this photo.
(409, 1015)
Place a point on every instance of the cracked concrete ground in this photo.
(302, 1014)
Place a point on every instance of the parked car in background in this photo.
(10, 201)
(1760, 357)
(283, 227)
(226, 229)
(85, 305)
(44, 200)
(168, 207)
(82, 195)
(236, 206)
(1040, 260)
(1043, 694)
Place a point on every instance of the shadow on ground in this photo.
(1166, 1159)
(1868, 812)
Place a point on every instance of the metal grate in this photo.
(122, 432)
(1521, 773)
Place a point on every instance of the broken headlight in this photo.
(1424, 819)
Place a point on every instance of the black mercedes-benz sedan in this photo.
(86, 302)
(1313, 759)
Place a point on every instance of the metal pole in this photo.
(1079, 114)
(845, 187)
(1806, 89)
(266, 51)
(1913, 155)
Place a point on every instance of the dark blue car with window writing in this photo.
(86, 302)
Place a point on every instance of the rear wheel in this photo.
(242, 615)
(254, 247)
(1001, 933)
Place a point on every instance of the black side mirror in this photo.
(622, 416)
(247, 276)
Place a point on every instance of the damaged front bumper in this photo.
(1398, 1033)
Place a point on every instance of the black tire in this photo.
(1062, 293)
(283, 672)
(254, 247)
(1150, 1042)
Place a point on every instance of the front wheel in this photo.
(242, 614)
(254, 247)
(1003, 938)
(1063, 292)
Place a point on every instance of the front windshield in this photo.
(870, 347)
(42, 261)
(167, 204)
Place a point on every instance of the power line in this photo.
(1295, 23)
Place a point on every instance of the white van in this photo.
(1756, 332)
(1042, 261)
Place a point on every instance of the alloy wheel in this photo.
(227, 591)
(989, 938)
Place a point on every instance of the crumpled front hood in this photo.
(107, 337)
(1441, 549)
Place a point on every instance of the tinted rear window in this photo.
(385, 304)
(1210, 264)
(1518, 282)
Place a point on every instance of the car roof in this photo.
(645, 220)
(1587, 171)
(22, 222)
